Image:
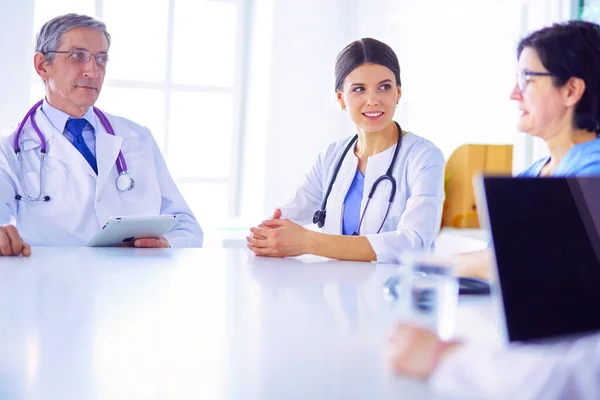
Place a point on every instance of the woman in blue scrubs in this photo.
(558, 93)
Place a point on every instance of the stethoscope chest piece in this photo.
(125, 182)
(319, 218)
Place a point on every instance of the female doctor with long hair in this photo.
(376, 195)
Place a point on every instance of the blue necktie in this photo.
(75, 126)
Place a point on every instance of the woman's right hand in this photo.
(11, 243)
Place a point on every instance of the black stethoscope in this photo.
(319, 217)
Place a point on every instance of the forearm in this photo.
(5, 215)
(351, 248)
(187, 233)
(475, 263)
(7, 201)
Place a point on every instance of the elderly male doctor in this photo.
(64, 199)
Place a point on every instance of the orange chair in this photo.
(459, 209)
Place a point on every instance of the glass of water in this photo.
(426, 294)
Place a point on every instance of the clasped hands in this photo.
(279, 237)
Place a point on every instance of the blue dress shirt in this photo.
(59, 119)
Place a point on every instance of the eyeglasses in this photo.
(83, 56)
(522, 78)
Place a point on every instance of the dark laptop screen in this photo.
(546, 235)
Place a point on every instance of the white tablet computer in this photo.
(123, 231)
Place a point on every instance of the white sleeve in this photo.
(562, 371)
(187, 232)
(420, 222)
(8, 204)
(301, 206)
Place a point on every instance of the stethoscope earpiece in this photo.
(45, 198)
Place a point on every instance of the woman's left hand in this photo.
(279, 238)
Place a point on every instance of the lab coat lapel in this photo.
(335, 203)
(58, 146)
(107, 152)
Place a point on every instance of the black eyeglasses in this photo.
(522, 78)
(83, 56)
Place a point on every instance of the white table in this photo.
(82, 323)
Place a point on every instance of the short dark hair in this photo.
(572, 49)
(363, 51)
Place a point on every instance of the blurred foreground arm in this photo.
(475, 263)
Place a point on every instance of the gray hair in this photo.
(49, 37)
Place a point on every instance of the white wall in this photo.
(291, 114)
(303, 116)
(458, 66)
(16, 48)
(291, 111)
(541, 13)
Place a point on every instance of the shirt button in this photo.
(98, 199)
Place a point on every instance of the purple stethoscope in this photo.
(124, 181)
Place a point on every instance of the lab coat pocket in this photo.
(54, 184)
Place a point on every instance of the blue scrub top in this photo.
(351, 217)
(581, 160)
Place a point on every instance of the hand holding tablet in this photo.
(124, 231)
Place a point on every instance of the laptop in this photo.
(546, 238)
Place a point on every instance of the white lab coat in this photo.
(415, 216)
(81, 202)
(568, 370)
